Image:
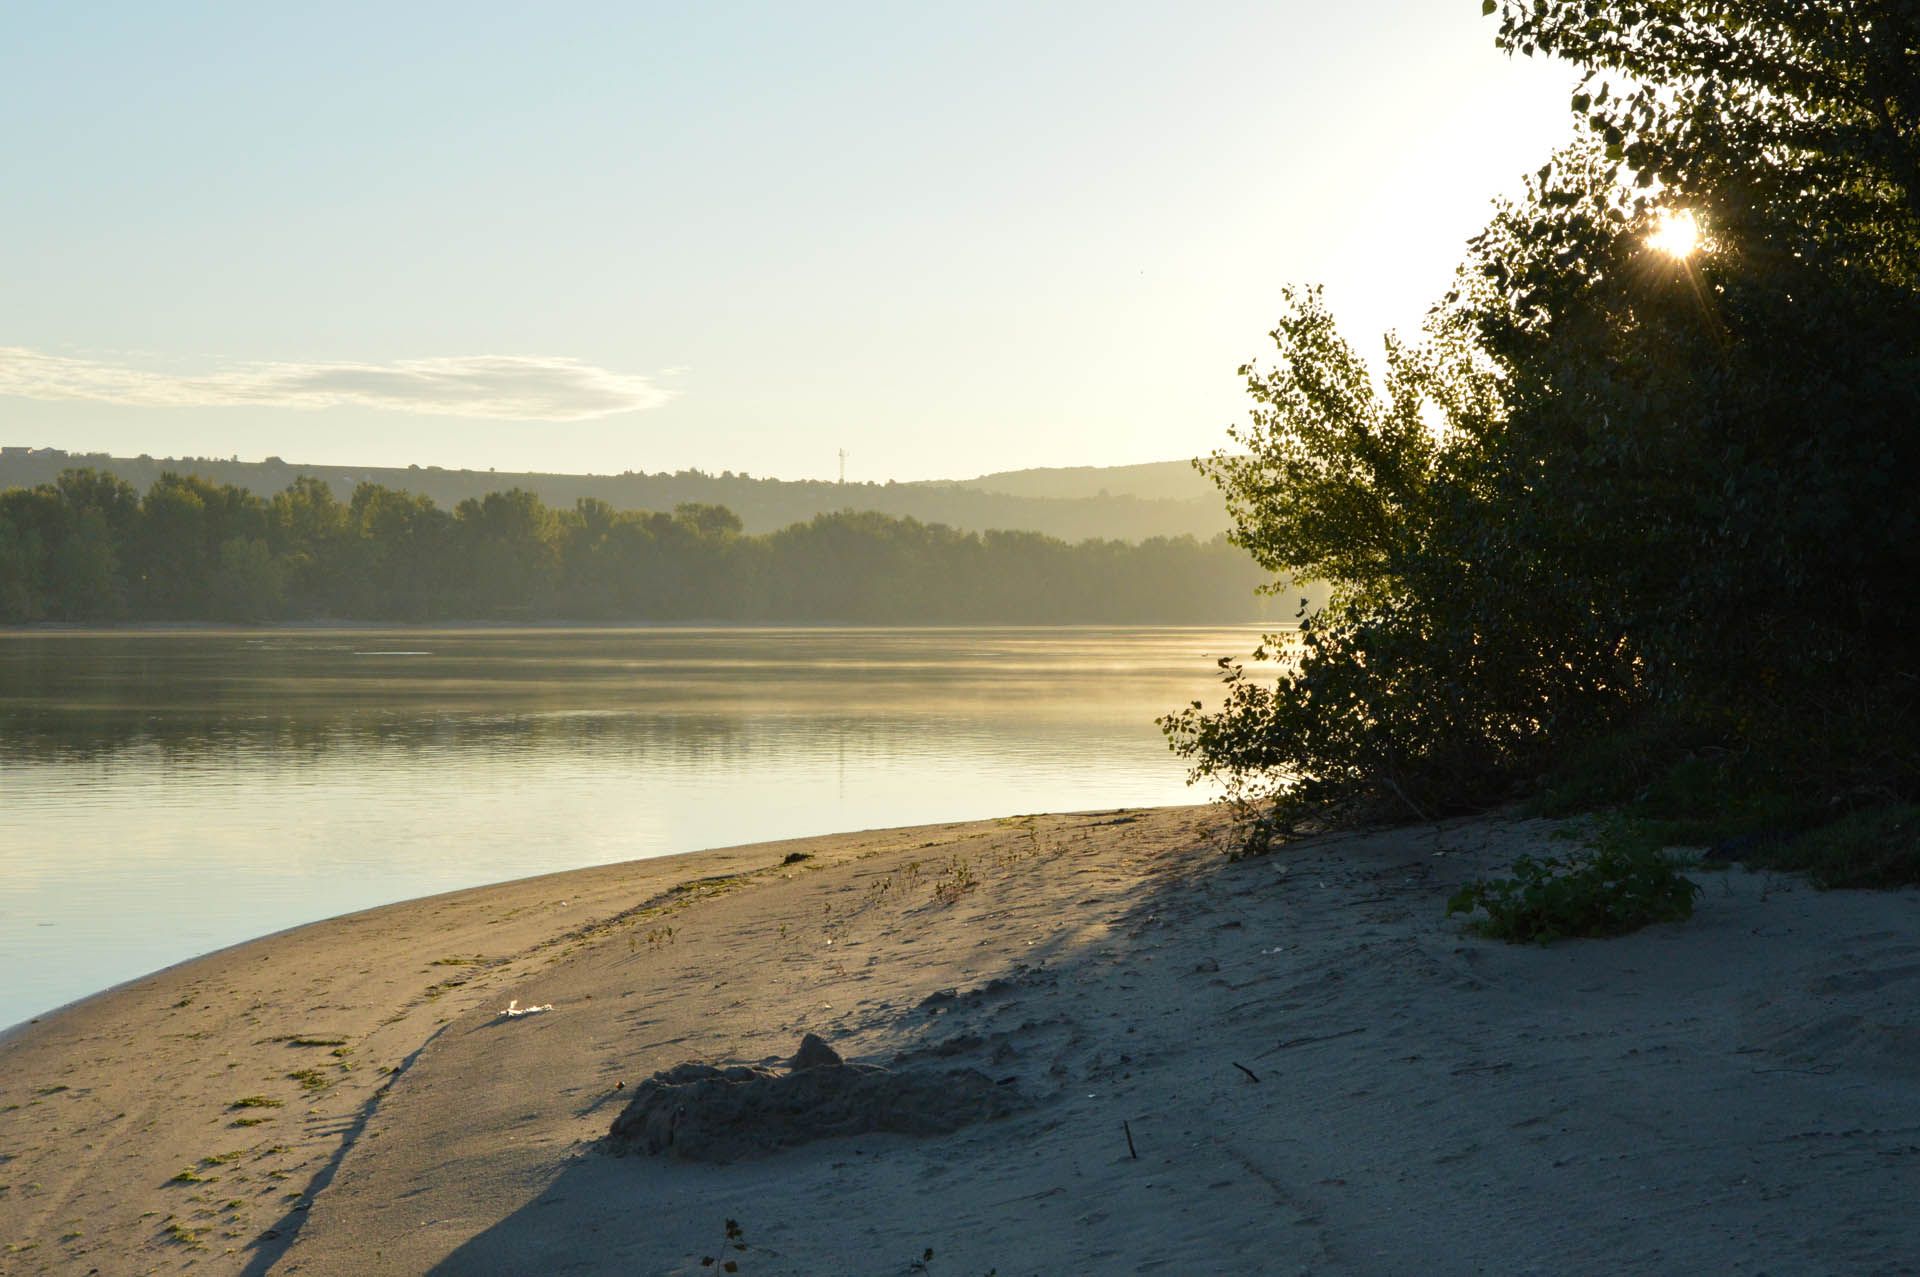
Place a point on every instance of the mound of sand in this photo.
(706, 1113)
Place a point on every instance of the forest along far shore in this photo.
(1074, 503)
(86, 546)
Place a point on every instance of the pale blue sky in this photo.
(610, 236)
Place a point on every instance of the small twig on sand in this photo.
(1320, 1037)
(1131, 1151)
(1251, 1075)
(1055, 1191)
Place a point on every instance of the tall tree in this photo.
(1628, 479)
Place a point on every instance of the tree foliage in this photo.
(89, 548)
(1611, 490)
(1775, 104)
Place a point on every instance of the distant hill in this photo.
(1154, 481)
(1123, 503)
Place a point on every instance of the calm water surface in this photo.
(162, 795)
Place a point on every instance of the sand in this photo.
(1287, 1065)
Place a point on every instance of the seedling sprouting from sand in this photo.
(1009, 857)
(924, 1264)
(898, 884)
(956, 880)
(736, 1240)
(178, 1232)
(310, 1079)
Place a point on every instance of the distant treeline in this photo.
(89, 547)
(1168, 499)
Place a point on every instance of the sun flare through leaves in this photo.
(1677, 233)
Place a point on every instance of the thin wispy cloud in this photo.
(508, 387)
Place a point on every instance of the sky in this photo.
(636, 236)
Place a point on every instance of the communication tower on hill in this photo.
(843, 465)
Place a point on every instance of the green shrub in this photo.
(1621, 885)
(1874, 847)
(1602, 771)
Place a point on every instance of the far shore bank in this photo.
(344, 626)
(1295, 1060)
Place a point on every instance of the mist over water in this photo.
(164, 794)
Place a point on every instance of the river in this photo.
(163, 794)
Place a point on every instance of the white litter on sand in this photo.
(515, 1010)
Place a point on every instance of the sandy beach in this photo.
(1287, 1065)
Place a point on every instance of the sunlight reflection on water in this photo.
(165, 794)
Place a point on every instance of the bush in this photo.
(1874, 847)
(1745, 808)
(1617, 887)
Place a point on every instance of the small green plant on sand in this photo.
(176, 1231)
(924, 1264)
(257, 1102)
(956, 880)
(736, 1241)
(1619, 885)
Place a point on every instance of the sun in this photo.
(1677, 234)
